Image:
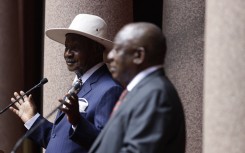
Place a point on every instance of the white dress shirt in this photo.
(141, 76)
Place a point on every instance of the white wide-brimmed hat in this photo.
(90, 26)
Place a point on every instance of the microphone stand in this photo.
(74, 90)
(42, 82)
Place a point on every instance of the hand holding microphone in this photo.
(71, 104)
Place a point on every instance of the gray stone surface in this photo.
(224, 108)
(183, 25)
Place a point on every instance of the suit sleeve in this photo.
(86, 132)
(149, 123)
(42, 134)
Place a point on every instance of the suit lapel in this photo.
(125, 103)
(131, 94)
(86, 88)
(105, 129)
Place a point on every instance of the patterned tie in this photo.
(123, 94)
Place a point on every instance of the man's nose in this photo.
(68, 52)
(110, 55)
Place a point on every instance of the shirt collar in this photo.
(140, 76)
(88, 73)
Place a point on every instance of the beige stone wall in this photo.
(183, 24)
(224, 92)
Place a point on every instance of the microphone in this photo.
(73, 90)
(42, 82)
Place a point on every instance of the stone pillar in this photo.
(224, 91)
(11, 72)
(59, 14)
(183, 25)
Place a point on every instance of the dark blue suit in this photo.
(101, 92)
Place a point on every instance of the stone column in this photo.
(11, 72)
(59, 14)
(183, 25)
(224, 92)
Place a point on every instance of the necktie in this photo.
(123, 94)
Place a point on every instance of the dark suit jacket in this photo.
(101, 92)
(149, 120)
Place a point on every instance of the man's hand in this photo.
(25, 107)
(71, 109)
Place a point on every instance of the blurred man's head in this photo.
(137, 46)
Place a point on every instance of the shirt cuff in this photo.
(31, 121)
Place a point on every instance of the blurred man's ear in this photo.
(139, 55)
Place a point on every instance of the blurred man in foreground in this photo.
(150, 118)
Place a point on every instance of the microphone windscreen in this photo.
(77, 86)
(44, 80)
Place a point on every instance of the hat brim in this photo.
(60, 33)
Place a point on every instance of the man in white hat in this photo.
(83, 115)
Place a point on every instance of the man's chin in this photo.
(71, 69)
(115, 76)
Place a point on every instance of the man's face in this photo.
(121, 59)
(76, 52)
